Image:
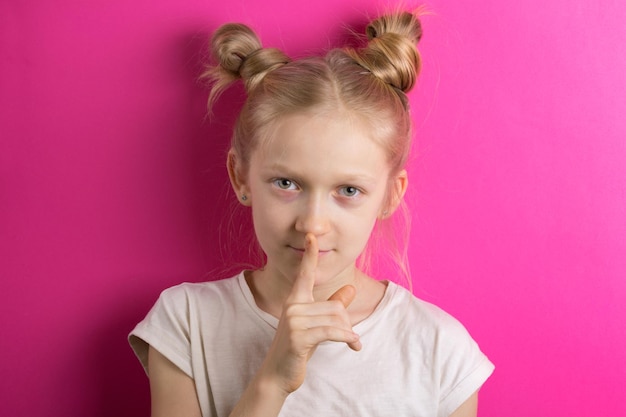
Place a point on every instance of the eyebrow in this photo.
(347, 177)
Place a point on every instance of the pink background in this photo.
(112, 187)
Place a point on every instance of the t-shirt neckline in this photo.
(360, 328)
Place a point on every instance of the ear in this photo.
(395, 193)
(237, 180)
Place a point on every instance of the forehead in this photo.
(322, 143)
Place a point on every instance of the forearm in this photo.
(261, 398)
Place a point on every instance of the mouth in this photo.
(300, 251)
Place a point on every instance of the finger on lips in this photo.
(302, 290)
(302, 293)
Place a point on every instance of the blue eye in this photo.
(349, 191)
(284, 184)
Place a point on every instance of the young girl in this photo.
(318, 155)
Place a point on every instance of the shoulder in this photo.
(432, 341)
(188, 293)
(181, 305)
(420, 323)
(169, 325)
(423, 313)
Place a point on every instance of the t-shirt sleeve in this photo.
(167, 329)
(464, 367)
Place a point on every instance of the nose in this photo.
(313, 217)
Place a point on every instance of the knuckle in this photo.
(291, 311)
(337, 306)
(304, 268)
(293, 338)
(329, 333)
(340, 322)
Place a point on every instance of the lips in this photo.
(300, 251)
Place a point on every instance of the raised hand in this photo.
(305, 323)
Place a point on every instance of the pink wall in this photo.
(112, 187)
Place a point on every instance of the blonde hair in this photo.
(368, 83)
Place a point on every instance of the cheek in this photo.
(358, 228)
(268, 222)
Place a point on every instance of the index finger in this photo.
(302, 290)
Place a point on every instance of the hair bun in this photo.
(391, 53)
(405, 24)
(239, 54)
(231, 44)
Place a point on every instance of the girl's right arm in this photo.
(304, 324)
(172, 392)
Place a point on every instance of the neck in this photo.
(271, 288)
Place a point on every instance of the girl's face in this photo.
(322, 175)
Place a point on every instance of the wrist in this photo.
(268, 387)
(262, 398)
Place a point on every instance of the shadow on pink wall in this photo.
(216, 217)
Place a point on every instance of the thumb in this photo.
(344, 294)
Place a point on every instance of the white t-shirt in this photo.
(416, 360)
